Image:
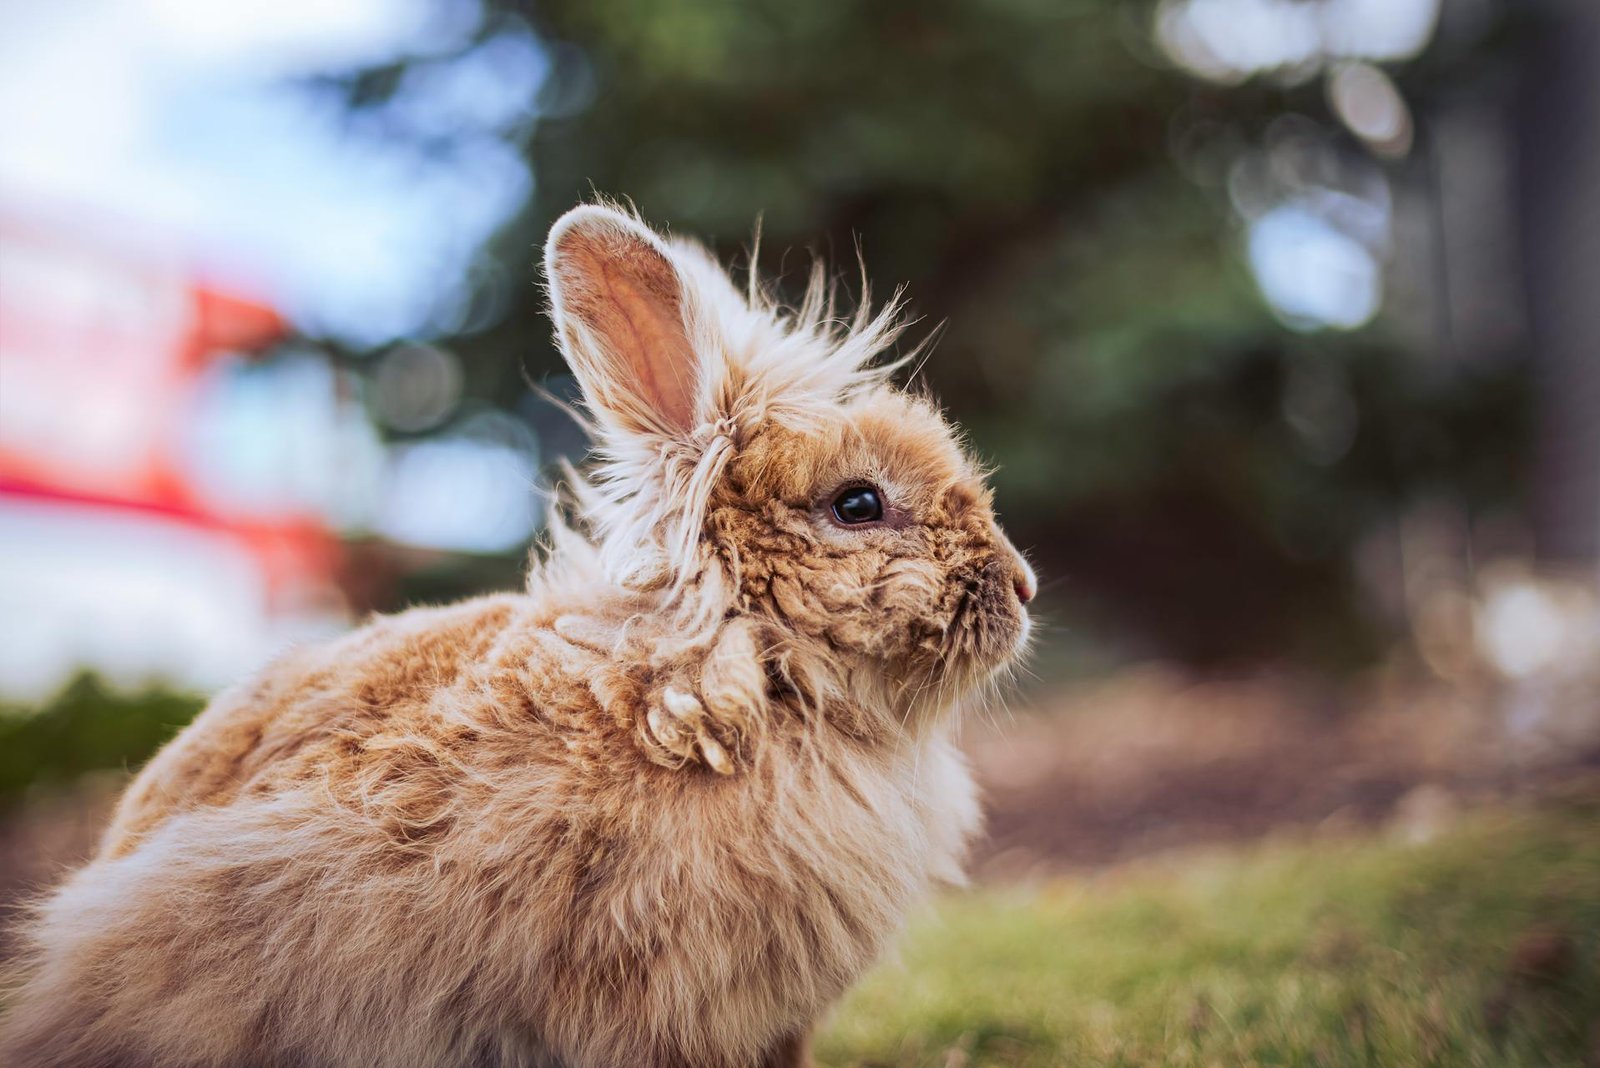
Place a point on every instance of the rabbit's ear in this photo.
(619, 305)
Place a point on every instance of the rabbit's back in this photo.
(311, 712)
(429, 842)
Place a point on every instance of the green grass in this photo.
(85, 727)
(1481, 947)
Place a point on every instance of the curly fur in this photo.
(660, 809)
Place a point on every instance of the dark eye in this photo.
(858, 504)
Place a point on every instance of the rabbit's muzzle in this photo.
(988, 624)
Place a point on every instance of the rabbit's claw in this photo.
(686, 726)
(710, 701)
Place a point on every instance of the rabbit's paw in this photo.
(708, 702)
(679, 723)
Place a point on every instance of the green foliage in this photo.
(86, 727)
(1478, 948)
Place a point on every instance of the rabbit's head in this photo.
(756, 462)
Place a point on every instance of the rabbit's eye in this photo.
(858, 504)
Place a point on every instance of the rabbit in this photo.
(660, 809)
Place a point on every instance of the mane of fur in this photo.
(639, 509)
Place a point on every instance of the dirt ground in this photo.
(1152, 760)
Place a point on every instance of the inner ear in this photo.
(619, 306)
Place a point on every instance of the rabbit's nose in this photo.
(1024, 581)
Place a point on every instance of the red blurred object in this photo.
(101, 352)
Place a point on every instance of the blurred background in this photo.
(1277, 318)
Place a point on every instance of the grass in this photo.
(1480, 947)
(86, 727)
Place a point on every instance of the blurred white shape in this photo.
(460, 492)
(138, 598)
(1313, 274)
(1378, 29)
(494, 84)
(1368, 102)
(1521, 628)
(165, 112)
(283, 437)
(1229, 40)
(357, 234)
(292, 34)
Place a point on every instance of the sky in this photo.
(182, 120)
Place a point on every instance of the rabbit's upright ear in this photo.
(619, 307)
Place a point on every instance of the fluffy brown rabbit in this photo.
(659, 810)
